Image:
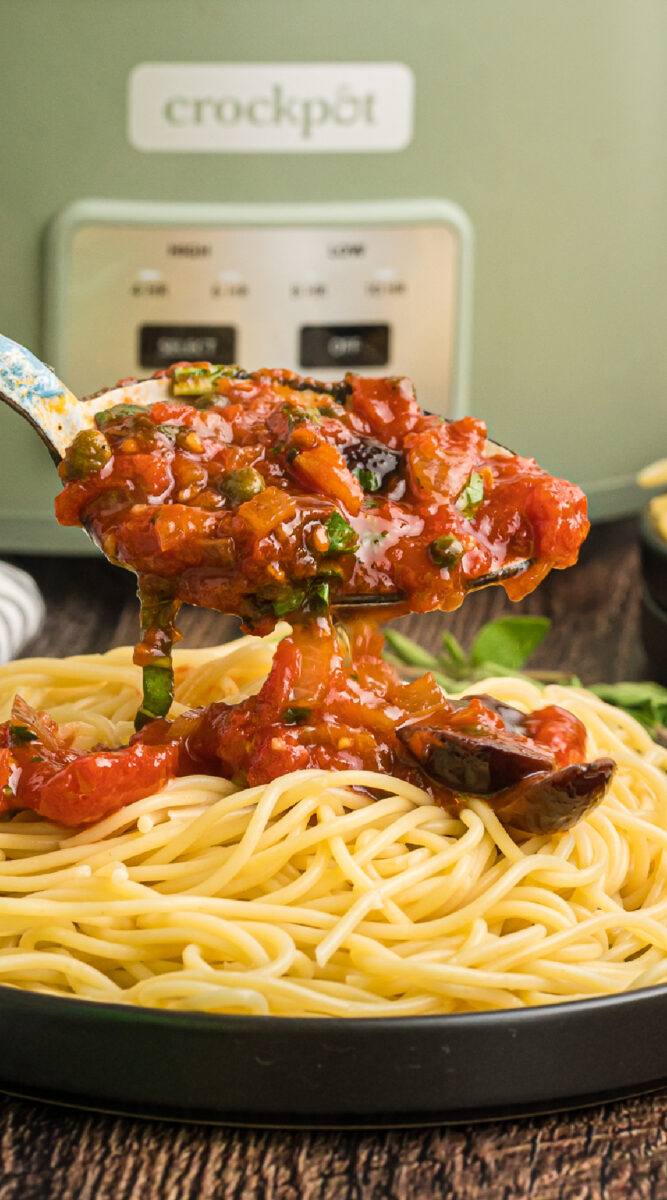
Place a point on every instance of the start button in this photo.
(344, 346)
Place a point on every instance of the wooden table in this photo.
(619, 1150)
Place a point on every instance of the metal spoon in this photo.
(34, 391)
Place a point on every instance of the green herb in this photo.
(287, 601)
(296, 715)
(158, 694)
(296, 415)
(342, 538)
(114, 414)
(471, 495)
(369, 481)
(409, 652)
(508, 641)
(172, 431)
(318, 595)
(502, 647)
(37, 758)
(645, 701)
(200, 381)
(370, 502)
(21, 735)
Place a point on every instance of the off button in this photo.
(344, 346)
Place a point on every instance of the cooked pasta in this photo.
(311, 896)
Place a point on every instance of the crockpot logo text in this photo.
(277, 107)
(270, 107)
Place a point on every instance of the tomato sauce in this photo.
(269, 495)
(328, 703)
(272, 496)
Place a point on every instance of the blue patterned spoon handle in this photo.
(31, 388)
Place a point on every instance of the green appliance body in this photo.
(295, 183)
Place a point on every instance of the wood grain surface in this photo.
(617, 1151)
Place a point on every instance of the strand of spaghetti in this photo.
(336, 936)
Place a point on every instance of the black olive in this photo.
(480, 764)
(372, 462)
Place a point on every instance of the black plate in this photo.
(327, 1072)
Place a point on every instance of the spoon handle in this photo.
(32, 389)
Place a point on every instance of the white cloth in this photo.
(22, 610)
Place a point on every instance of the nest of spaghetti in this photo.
(325, 892)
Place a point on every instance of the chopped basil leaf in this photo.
(287, 601)
(471, 495)
(342, 538)
(172, 431)
(21, 734)
(114, 414)
(296, 415)
(296, 715)
(198, 381)
(158, 694)
(319, 596)
(369, 481)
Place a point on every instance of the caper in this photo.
(242, 484)
(446, 550)
(88, 452)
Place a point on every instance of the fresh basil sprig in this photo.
(645, 701)
(502, 647)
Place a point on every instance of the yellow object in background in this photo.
(655, 475)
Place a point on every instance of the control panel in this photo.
(375, 288)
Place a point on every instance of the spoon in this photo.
(34, 391)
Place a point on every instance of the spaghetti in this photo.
(308, 896)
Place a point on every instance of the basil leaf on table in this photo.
(644, 700)
(509, 641)
(502, 647)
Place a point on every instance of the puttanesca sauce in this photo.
(269, 495)
(317, 710)
(272, 496)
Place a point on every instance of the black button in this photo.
(344, 346)
(161, 345)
